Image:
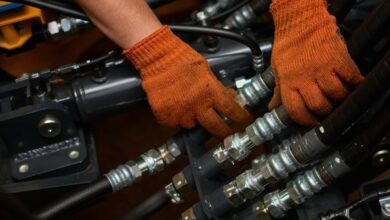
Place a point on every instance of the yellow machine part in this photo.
(15, 26)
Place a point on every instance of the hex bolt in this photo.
(74, 154)
(49, 127)
(23, 168)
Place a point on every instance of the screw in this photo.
(24, 168)
(74, 154)
(381, 158)
(49, 127)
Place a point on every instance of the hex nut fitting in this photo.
(220, 155)
(260, 211)
(135, 170)
(166, 155)
(153, 161)
(188, 215)
(273, 204)
(173, 148)
(175, 196)
(181, 184)
(233, 194)
(244, 183)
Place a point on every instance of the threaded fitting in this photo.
(265, 128)
(278, 203)
(254, 91)
(123, 176)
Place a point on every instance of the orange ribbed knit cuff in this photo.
(290, 14)
(151, 55)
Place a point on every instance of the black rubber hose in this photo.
(148, 207)
(12, 207)
(71, 10)
(370, 31)
(65, 10)
(76, 199)
(260, 6)
(239, 37)
(340, 8)
(226, 13)
(364, 145)
(376, 83)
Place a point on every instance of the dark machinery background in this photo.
(58, 136)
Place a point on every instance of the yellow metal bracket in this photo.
(15, 26)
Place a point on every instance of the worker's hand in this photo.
(180, 86)
(310, 58)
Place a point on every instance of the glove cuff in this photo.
(292, 14)
(153, 54)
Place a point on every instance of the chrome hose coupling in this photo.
(240, 19)
(304, 187)
(124, 175)
(277, 203)
(265, 128)
(254, 91)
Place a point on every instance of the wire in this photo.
(69, 68)
(229, 11)
(83, 196)
(239, 37)
(71, 11)
(61, 8)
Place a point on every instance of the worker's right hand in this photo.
(310, 60)
(180, 86)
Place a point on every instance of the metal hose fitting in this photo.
(238, 146)
(240, 19)
(296, 192)
(254, 91)
(304, 187)
(265, 128)
(123, 176)
(176, 197)
(151, 162)
(218, 6)
(258, 63)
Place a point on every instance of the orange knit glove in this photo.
(180, 86)
(310, 59)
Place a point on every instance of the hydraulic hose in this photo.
(305, 186)
(229, 11)
(78, 198)
(364, 145)
(242, 38)
(70, 10)
(65, 10)
(340, 8)
(370, 31)
(359, 101)
(148, 207)
(13, 208)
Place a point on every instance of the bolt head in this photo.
(23, 168)
(74, 154)
(49, 127)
